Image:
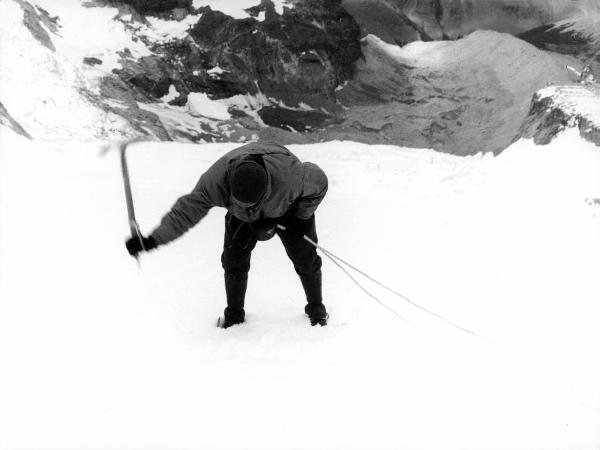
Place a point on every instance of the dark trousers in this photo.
(240, 240)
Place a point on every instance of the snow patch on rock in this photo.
(558, 108)
(171, 95)
(199, 104)
(161, 30)
(216, 71)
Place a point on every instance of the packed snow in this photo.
(98, 352)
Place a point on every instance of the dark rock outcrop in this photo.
(7, 119)
(154, 7)
(181, 64)
(92, 61)
(557, 39)
(151, 74)
(119, 98)
(37, 21)
(295, 120)
(303, 54)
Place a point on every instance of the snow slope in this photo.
(96, 352)
(53, 94)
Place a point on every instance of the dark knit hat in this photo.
(249, 182)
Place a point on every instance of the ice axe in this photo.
(133, 225)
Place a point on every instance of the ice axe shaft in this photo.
(133, 225)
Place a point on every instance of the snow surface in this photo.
(96, 352)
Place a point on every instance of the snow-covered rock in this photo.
(557, 108)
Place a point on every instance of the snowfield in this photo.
(96, 352)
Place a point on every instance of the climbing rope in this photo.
(339, 261)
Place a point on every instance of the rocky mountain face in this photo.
(338, 69)
(301, 55)
(298, 57)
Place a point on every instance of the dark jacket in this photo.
(293, 186)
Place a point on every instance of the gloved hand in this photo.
(135, 246)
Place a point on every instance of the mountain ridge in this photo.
(300, 75)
